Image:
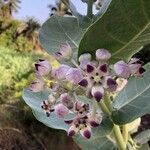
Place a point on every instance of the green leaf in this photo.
(85, 21)
(103, 9)
(123, 30)
(34, 100)
(95, 143)
(57, 30)
(133, 101)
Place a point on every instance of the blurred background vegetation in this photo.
(19, 49)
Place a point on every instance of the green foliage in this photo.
(133, 101)
(8, 30)
(34, 100)
(59, 30)
(123, 30)
(96, 143)
(15, 72)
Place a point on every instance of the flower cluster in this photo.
(90, 78)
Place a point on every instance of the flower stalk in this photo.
(125, 133)
(116, 129)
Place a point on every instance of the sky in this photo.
(39, 10)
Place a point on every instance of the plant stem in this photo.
(94, 109)
(108, 102)
(90, 9)
(125, 133)
(119, 138)
(104, 108)
(116, 129)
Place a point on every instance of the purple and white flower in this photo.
(122, 69)
(83, 123)
(43, 67)
(67, 100)
(81, 109)
(61, 110)
(60, 73)
(74, 75)
(84, 59)
(102, 55)
(65, 52)
(136, 68)
(48, 105)
(96, 79)
(37, 86)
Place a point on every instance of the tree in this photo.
(8, 7)
(29, 29)
(60, 9)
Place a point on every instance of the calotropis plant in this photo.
(97, 94)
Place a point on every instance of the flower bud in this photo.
(51, 99)
(36, 86)
(134, 68)
(66, 100)
(74, 75)
(43, 67)
(102, 55)
(61, 110)
(97, 92)
(65, 52)
(122, 69)
(60, 73)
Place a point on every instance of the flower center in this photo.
(97, 78)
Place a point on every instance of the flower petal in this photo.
(95, 121)
(65, 52)
(61, 110)
(83, 82)
(72, 130)
(111, 84)
(90, 68)
(97, 92)
(66, 100)
(134, 68)
(86, 132)
(74, 75)
(78, 105)
(84, 59)
(43, 67)
(60, 73)
(68, 121)
(122, 69)
(36, 86)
